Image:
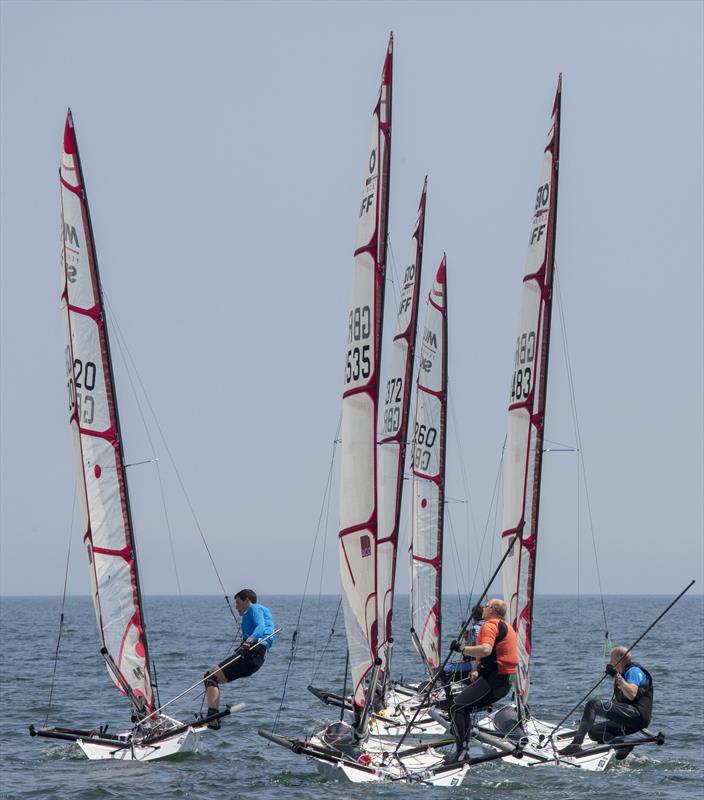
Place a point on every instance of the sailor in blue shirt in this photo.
(257, 637)
(459, 670)
(628, 711)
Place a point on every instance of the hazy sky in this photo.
(223, 146)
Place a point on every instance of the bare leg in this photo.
(212, 693)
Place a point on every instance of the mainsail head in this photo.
(358, 501)
(429, 476)
(526, 411)
(100, 471)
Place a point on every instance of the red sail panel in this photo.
(394, 430)
(429, 476)
(526, 414)
(358, 500)
(107, 530)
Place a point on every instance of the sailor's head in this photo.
(495, 609)
(620, 658)
(478, 612)
(244, 599)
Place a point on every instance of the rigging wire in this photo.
(459, 572)
(394, 281)
(122, 346)
(63, 603)
(495, 505)
(575, 418)
(470, 521)
(294, 637)
(327, 644)
(174, 467)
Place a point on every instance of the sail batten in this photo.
(428, 469)
(394, 429)
(93, 416)
(526, 409)
(358, 493)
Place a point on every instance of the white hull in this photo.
(377, 764)
(184, 742)
(538, 749)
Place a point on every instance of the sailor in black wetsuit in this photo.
(628, 711)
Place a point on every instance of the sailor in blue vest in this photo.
(460, 670)
(628, 711)
(257, 635)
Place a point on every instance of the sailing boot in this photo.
(214, 723)
(574, 748)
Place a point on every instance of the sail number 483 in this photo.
(521, 383)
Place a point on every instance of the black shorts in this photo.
(248, 664)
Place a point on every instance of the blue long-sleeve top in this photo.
(258, 623)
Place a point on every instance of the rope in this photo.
(63, 603)
(172, 460)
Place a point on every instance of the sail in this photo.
(102, 486)
(358, 512)
(428, 511)
(394, 430)
(526, 414)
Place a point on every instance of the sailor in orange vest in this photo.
(497, 654)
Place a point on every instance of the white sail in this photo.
(107, 530)
(429, 476)
(524, 441)
(394, 430)
(358, 512)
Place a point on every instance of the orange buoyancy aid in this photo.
(503, 658)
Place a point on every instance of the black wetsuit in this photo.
(623, 716)
(251, 660)
(489, 687)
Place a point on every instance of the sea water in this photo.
(189, 634)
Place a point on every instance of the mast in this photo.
(429, 478)
(358, 496)
(100, 465)
(392, 447)
(526, 413)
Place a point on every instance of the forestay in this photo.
(524, 441)
(429, 476)
(394, 430)
(102, 487)
(358, 501)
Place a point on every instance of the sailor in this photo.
(628, 711)
(496, 652)
(459, 670)
(257, 633)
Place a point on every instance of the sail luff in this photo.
(524, 443)
(358, 492)
(394, 430)
(428, 509)
(106, 513)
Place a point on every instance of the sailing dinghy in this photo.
(522, 484)
(347, 748)
(108, 532)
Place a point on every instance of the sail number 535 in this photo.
(359, 363)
